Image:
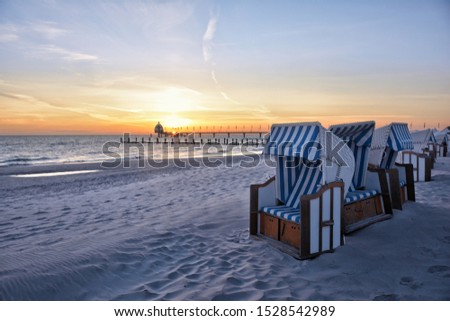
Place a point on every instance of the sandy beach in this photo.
(182, 234)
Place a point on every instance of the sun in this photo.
(177, 100)
(175, 123)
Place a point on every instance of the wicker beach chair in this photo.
(424, 142)
(387, 142)
(368, 199)
(419, 156)
(299, 210)
(441, 143)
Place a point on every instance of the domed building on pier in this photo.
(159, 129)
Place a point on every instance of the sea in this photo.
(64, 149)
(39, 150)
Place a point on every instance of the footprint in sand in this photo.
(386, 297)
(40, 213)
(239, 236)
(440, 270)
(139, 294)
(410, 282)
(252, 295)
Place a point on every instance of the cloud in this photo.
(213, 76)
(208, 46)
(211, 29)
(75, 56)
(31, 101)
(8, 37)
(208, 36)
(48, 30)
(8, 95)
(67, 54)
(8, 33)
(120, 109)
(224, 95)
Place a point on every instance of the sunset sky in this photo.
(79, 67)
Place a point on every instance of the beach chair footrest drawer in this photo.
(362, 209)
(290, 233)
(269, 226)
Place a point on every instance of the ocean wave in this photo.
(24, 160)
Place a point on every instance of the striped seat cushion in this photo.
(283, 212)
(402, 183)
(359, 195)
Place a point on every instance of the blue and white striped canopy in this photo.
(358, 133)
(358, 137)
(295, 179)
(399, 137)
(287, 142)
(389, 158)
(387, 142)
(300, 140)
(441, 137)
(433, 138)
(421, 139)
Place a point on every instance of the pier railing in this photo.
(220, 138)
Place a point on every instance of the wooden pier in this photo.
(217, 138)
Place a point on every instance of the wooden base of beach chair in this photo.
(288, 239)
(286, 235)
(353, 213)
(290, 233)
(280, 230)
(320, 228)
(421, 164)
(269, 226)
(365, 210)
(378, 179)
(394, 188)
(408, 192)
